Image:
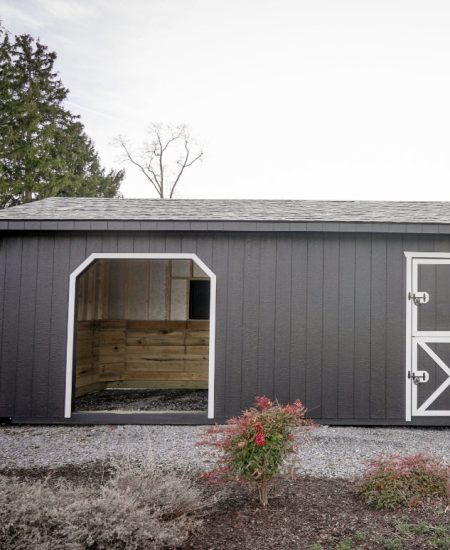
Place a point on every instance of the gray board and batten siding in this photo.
(311, 297)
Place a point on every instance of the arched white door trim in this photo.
(137, 256)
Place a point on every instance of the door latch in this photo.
(419, 376)
(419, 297)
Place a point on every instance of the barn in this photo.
(343, 305)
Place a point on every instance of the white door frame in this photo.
(138, 256)
(416, 338)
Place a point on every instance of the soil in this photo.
(143, 400)
(303, 514)
(311, 513)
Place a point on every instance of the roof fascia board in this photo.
(232, 226)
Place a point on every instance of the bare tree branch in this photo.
(149, 174)
(183, 165)
(164, 158)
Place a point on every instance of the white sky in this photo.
(318, 99)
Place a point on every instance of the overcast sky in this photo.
(318, 99)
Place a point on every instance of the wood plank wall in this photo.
(142, 354)
(93, 291)
(136, 289)
(315, 316)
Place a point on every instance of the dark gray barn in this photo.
(344, 305)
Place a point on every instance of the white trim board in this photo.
(415, 338)
(408, 384)
(418, 255)
(138, 256)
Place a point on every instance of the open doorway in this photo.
(141, 334)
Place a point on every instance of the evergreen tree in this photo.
(44, 151)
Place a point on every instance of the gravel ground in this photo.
(327, 452)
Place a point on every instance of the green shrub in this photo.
(139, 507)
(392, 482)
(254, 446)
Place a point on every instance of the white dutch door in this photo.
(428, 335)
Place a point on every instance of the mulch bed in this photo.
(303, 514)
(313, 513)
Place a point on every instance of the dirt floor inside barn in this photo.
(143, 400)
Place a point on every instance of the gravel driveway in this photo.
(327, 452)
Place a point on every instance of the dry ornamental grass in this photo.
(137, 507)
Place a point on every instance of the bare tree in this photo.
(164, 156)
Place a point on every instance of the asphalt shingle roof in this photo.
(230, 210)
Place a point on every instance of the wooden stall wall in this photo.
(153, 354)
(133, 328)
(91, 306)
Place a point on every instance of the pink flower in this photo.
(260, 439)
(263, 403)
(296, 408)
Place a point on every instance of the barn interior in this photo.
(142, 336)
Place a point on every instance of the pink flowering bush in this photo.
(395, 481)
(255, 446)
